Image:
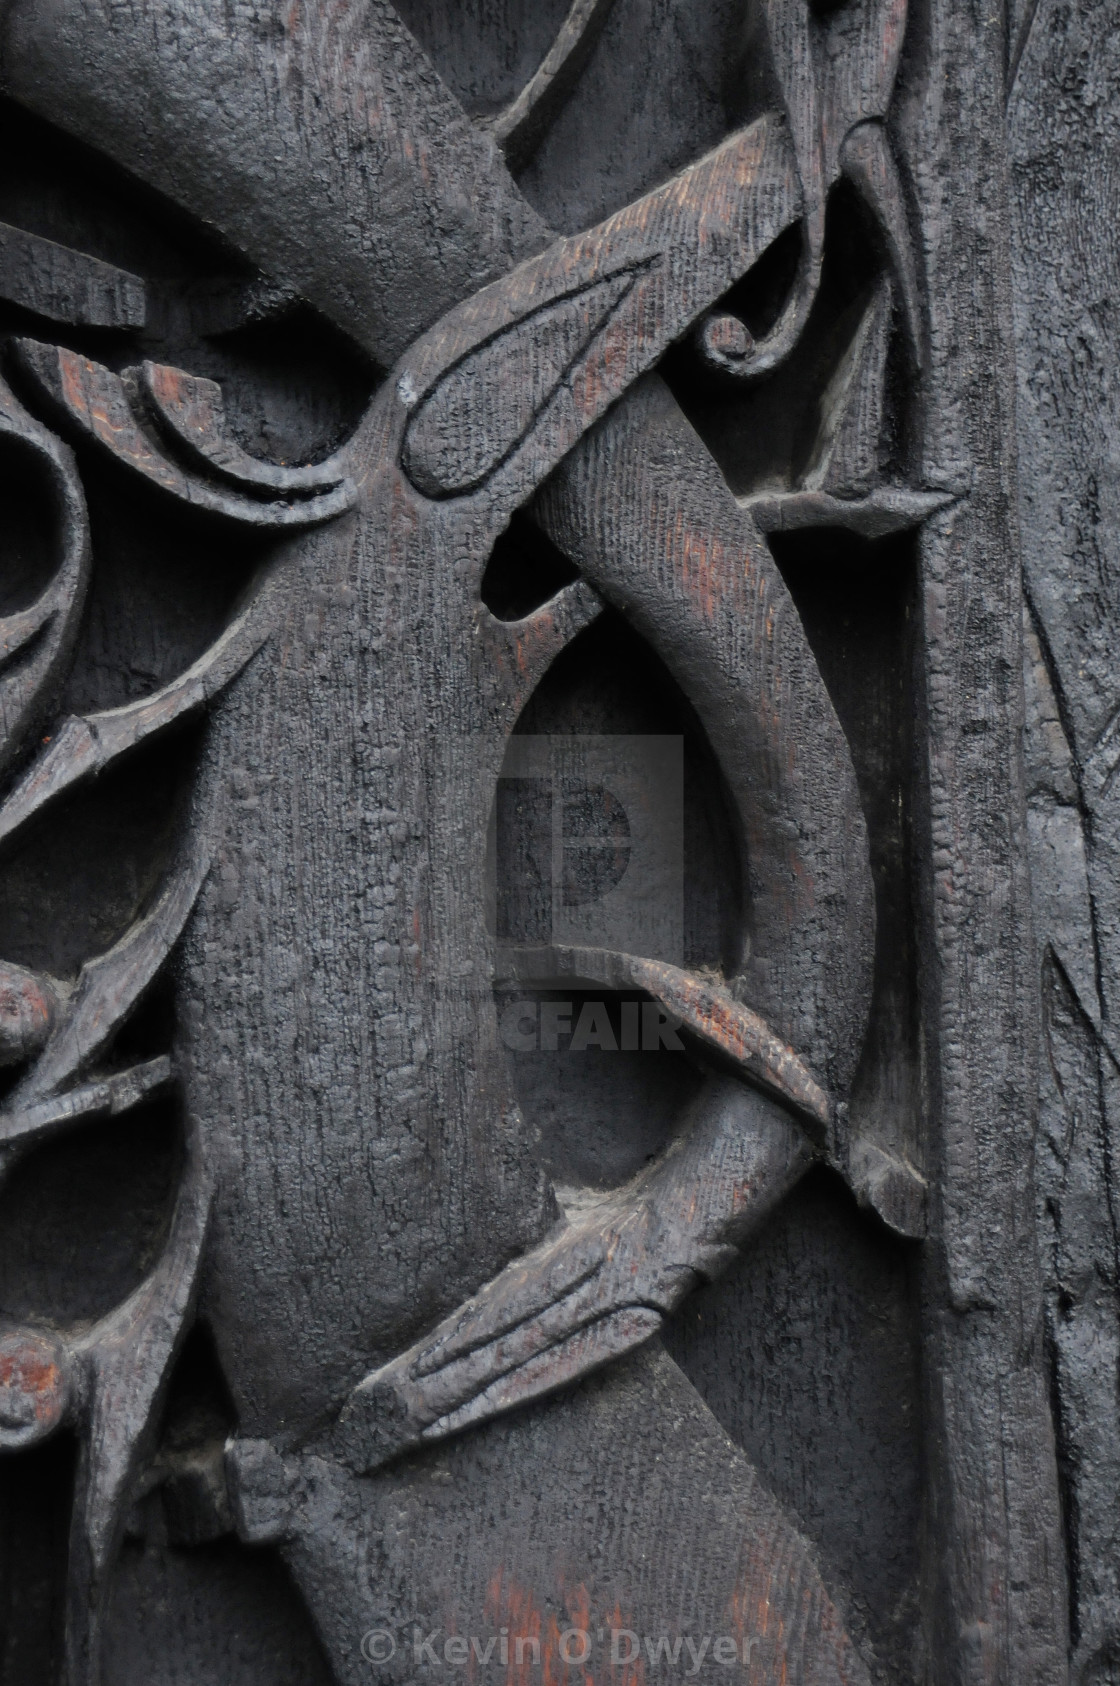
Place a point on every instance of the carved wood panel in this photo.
(542, 930)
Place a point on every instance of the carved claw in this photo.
(597, 1289)
(841, 484)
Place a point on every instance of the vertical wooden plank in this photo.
(1064, 145)
(995, 1573)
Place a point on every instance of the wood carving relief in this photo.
(558, 1099)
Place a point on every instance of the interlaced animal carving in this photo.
(361, 1219)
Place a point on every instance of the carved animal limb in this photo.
(599, 1288)
(436, 418)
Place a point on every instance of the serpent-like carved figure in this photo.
(363, 1222)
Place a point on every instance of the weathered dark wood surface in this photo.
(1064, 160)
(387, 393)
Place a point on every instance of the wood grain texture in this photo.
(999, 1602)
(557, 1479)
(321, 133)
(1064, 161)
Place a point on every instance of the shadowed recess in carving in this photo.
(609, 1109)
(857, 602)
(93, 864)
(609, 133)
(83, 1218)
(74, 197)
(196, 1418)
(525, 570)
(233, 1609)
(485, 55)
(36, 1500)
(294, 388)
(609, 680)
(519, 128)
(28, 501)
(162, 593)
(768, 436)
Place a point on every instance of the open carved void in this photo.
(523, 1030)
